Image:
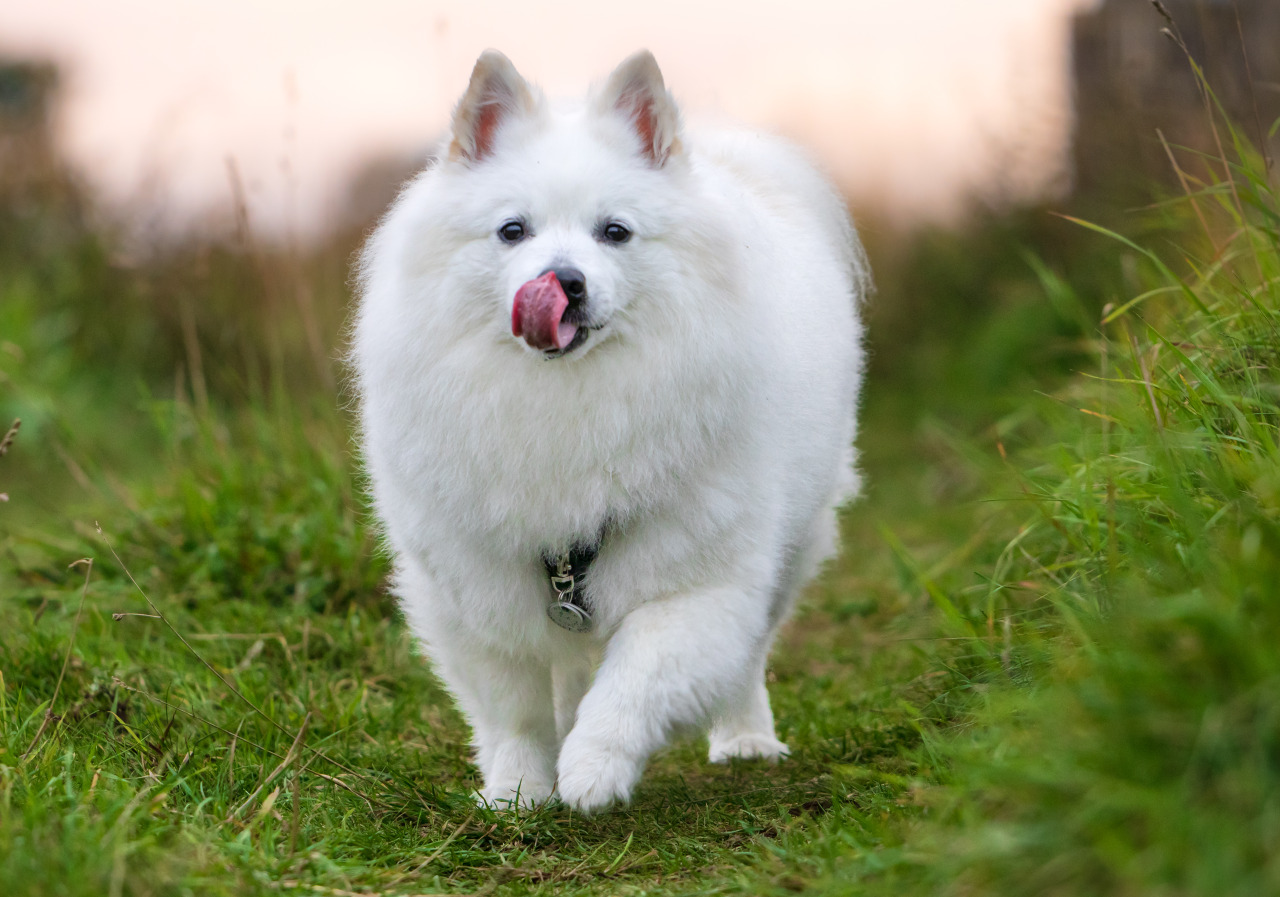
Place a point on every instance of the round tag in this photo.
(569, 616)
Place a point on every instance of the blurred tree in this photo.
(1130, 78)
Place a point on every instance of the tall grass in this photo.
(265, 505)
(1120, 732)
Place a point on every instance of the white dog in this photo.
(608, 370)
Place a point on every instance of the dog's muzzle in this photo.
(549, 311)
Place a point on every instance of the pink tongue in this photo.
(539, 311)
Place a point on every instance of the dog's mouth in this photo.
(579, 337)
(545, 318)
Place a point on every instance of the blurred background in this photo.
(910, 106)
(183, 186)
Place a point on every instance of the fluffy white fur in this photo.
(709, 421)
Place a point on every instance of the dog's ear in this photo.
(496, 92)
(636, 91)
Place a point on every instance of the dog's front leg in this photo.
(507, 699)
(672, 663)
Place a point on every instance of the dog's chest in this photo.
(543, 463)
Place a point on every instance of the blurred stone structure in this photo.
(26, 135)
(35, 182)
(1131, 79)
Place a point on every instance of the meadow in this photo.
(1045, 664)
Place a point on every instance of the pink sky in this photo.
(910, 105)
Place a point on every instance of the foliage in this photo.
(1141, 754)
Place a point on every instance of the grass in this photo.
(1045, 665)
(149, 775)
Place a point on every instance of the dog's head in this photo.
(562, 216)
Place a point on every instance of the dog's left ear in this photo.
(636, 91)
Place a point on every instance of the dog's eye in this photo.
(511, 232)
(616, 233)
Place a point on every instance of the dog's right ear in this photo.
(496, 92)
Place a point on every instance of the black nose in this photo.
(573, 282)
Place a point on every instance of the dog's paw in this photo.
(509, 796)
(593, 778)
(747, 746)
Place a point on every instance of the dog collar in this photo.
(568, 607)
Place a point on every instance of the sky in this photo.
(911, 106)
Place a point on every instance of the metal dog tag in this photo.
(569, 616)
(563, 610)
